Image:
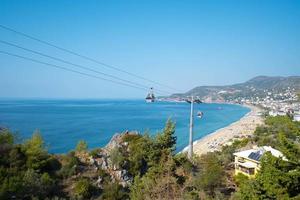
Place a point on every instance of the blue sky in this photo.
(179, 43)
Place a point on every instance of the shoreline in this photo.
(242, 128)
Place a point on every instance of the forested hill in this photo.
(258, 86)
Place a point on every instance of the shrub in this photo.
(94, 153)
(113, 191)
(116, 157)
(70, 163)
(81, 146)
(240, 179)
(83, 189)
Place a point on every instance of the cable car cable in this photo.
(67, 69)
(76, 65)
(84, 57)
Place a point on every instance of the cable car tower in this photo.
(150, 96)
(192, 100)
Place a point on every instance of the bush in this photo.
(70, 163)
(6, 137)
(113, 191)
(37, 156)
(94, 153)
(211, 173)
(240, 179)
(81, 146)
(116, 157)
(140, 148)
(83, 189)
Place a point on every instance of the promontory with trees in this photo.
(137, 166)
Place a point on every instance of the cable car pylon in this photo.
(192, 100)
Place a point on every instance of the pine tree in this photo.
(167, 140)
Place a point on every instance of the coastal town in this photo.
(268, 102)
(276, 103)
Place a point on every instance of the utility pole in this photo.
(190, 151)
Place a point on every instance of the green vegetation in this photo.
(28, 171)
(81, 146)
(116, 157)
(69, 164)
(83, 189)
(277, 179)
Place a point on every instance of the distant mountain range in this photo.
(259, 86)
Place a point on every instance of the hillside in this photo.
(260, 87)
(135, 166)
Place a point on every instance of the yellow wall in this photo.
(256, 169)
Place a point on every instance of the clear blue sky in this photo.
(179, 43)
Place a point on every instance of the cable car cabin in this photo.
(150, 99)
(199, 114)
(150, 96)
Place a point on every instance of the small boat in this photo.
(199, 114)
(150, 98)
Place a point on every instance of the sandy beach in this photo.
(239, 129)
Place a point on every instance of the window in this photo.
(251, 171)
(246, 170)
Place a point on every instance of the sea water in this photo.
(63, 123)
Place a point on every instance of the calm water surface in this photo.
(63, 122)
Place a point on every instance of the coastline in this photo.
(242, 128)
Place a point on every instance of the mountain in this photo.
(259, 87)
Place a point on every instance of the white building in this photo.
(276, 113)
(297, 118)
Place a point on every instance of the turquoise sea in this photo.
(63, 122)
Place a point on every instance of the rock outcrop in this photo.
(102, 160)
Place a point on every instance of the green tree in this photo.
(17, 158)
(6, 144)
(47, 183)
(167, 140)
(113, 191)
(81, 146)
(249, 190)
(140, 147)
(34, 148)
(163, 145)
(157, 184)
(6, 137)
(290, 149)
(277, 179)
(69, 165)
(83, 189)
(210, 175)
(32, 183)
(240, 179)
